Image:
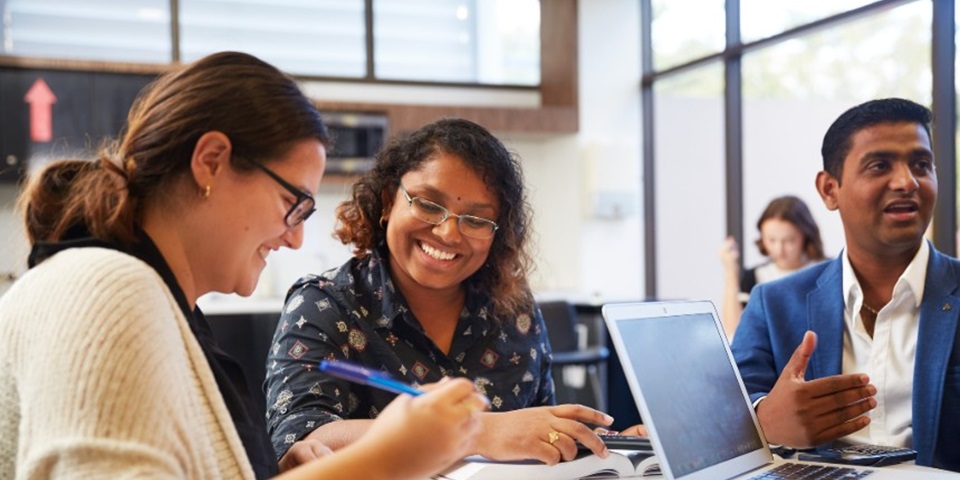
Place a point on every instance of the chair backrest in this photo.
(247, 338)
(578, 369)
(561, 320)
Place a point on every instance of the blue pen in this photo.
(363, 375)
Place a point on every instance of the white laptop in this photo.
(690, 395)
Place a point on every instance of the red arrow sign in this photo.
(41, 100)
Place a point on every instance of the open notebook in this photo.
(690, 394)
(620, 464)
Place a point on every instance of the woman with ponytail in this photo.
(107, 367)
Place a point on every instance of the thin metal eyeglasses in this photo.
(436, 214)
(302, 208)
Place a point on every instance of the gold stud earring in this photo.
(206, 192)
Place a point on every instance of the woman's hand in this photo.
(730, 308)
(419, 436)
(730, 256)
(414, 437)
(548, 434)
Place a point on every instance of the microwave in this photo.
(356, 139)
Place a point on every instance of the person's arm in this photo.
(113, 399)
(753, 347)
(412, 438)
(794, 412)
(731, 308)
(301, 403)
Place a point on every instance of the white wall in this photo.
(690, 197)
(611, 254)
(13, 242)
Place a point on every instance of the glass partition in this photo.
(763, 18)
(690, 184)
(683, 31)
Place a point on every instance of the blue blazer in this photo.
(779, 312)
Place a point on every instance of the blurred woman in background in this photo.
(789, 237)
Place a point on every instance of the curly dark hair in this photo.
(504, 276)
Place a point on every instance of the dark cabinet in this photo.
(69, 115)
(14, 127)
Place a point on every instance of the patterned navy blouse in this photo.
(353, 312)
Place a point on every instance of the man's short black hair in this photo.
(836, 142)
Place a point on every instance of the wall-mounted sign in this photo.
(40, 99)
(51, 114)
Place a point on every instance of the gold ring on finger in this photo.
(553, 436)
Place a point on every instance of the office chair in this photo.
(576, 371)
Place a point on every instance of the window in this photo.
(799, 65)
(493, 42)
(689, 151)
(686, 30)
(816, 77)
(306, 37)
(111, 30)
(763, 18)
(470, 41)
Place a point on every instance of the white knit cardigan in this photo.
(101, 377)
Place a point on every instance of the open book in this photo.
(620, 464)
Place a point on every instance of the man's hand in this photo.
(638, 430)
(803, 414)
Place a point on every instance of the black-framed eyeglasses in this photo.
(435, 214)
(302, 208)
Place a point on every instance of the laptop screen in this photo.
(689, 393)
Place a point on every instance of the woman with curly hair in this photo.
(437, 287)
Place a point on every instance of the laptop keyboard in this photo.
(799, 471)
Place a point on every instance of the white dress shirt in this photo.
(888, 357)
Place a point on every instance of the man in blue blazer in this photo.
(864, 348)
